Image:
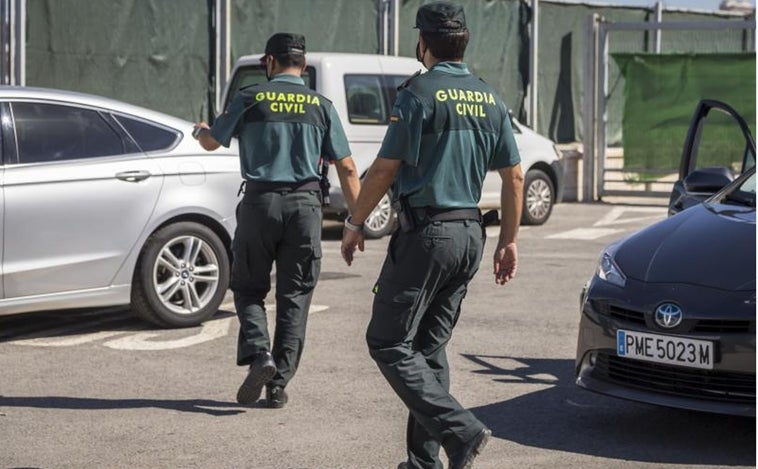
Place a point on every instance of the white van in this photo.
(362, 88)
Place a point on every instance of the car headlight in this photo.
(608, 270)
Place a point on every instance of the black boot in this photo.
(261, 371)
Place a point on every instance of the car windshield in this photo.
(741, 194)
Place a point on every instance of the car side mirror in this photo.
(709, 180)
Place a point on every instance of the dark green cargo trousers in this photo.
(281, 227)
(416, 306)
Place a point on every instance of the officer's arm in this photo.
(378, 180)
(511, 194)
(349, 181)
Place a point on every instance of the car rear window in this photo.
(149, 136)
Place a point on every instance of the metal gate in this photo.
(603, 172)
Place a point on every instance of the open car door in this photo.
(718, 148)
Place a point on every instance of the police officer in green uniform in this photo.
(446, 130)
(284, 128)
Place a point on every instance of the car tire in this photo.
(181, 276)
(539, 197)
(381, 220)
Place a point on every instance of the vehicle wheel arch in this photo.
(200, 219)
(547, 169)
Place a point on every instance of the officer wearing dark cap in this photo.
(284, 128)
(446, 130)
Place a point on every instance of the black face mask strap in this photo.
(265, 69)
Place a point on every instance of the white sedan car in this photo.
(103, 203)
(543, 176)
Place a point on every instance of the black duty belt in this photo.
(257, 187)
(446, 214)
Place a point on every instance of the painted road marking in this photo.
(210, 330)
(614, 216)
(585, 233)
(494, 231)
(62, 337)
(606, 226)
(68, 341)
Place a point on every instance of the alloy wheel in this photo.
(186, 274)
(538, 199)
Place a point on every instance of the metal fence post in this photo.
(589, 114)
(601, 104)
(658, 20)
(222, 31)
(533, 65)
(383, 7)
(13, 42)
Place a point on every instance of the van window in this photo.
(365, 99)
(256, 75)
(369, 97)
(392, 83)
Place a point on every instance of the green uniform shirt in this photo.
(283, 128)
(448, 128)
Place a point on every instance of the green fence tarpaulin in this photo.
(498, 49)
(150, 53)
(328, 25)
(160, 54)
(661, 94)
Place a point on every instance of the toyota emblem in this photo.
(668, 315)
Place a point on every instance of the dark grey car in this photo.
(669, 316)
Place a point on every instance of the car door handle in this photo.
(133, 176)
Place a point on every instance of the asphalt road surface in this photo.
(99, 389)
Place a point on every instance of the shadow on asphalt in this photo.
(64, 323)
(566, 418)
(205, 406)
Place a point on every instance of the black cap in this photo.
(285, 43)
(441, 17)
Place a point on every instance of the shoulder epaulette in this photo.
(408, 80)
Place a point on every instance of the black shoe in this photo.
(464, 457)
(261, 372)
(276, 397)
(402, 465)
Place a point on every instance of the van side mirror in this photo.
(708, 180)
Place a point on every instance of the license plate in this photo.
(665, 349)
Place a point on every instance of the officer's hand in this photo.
(200, 125)
(350, 240)
(506, 262)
